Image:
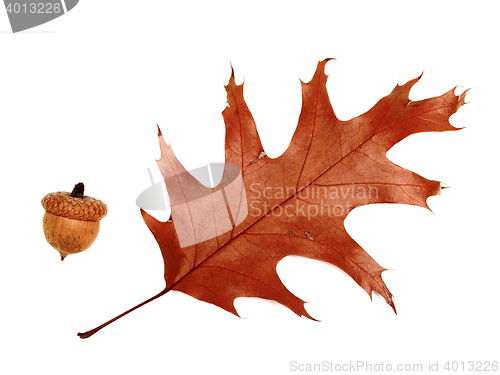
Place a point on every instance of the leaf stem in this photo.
(87, 334)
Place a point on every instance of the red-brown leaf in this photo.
(297, 203)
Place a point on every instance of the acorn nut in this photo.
(71, 220)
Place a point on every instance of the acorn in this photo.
(71, 220)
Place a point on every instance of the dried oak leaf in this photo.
(295, 204)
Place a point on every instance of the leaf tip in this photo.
(328, 59)
(393, 307)
(320, 71)
(159, 131)
(389, 299)
(232, 79)
(306, 315)
(461, 97)
(322, 63)
(409, 84)
(313, 319)
(148, 219)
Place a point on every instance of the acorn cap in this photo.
(86, 208)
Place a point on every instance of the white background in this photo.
(80, 98)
